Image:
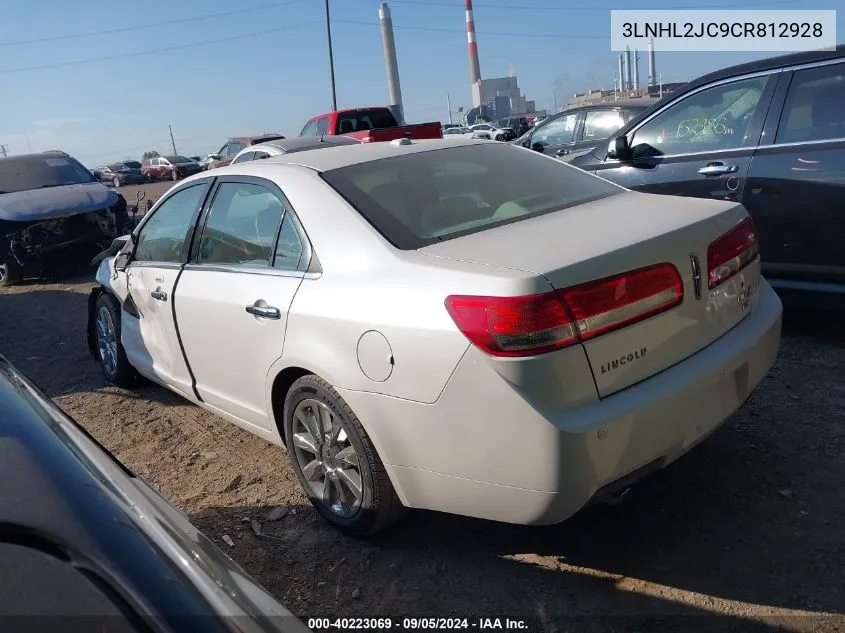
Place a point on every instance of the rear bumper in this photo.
(482, 450)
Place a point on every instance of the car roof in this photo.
(770, 63)
(346, 155)
(301, 143)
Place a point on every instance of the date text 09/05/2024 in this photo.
(723, 29)
(412, 624)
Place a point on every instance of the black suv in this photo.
(769, 134)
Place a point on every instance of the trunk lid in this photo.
(617, 234)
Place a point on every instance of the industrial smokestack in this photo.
(621, 73)
(636, 70)
(394, 92)
(472, 45)
(628, 67)
(651, 75)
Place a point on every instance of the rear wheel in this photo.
(10, 273)
(174, 175)
(335, 460)
(110, 350)
(116, 182)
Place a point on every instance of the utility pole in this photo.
(660, 81)
(555, 100)
(3, 150)
(26, 136)
(331, 57)
(172, 142)
(449, 105)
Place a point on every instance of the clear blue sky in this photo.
(215, 81)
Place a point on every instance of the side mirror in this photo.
(121, 261)
(620, 149)
(537, 147)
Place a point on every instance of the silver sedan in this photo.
(462, 326)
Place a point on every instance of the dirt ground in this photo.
(749, 528)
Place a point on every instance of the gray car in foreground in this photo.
(420, 331)
(87, 545)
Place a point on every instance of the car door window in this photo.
(162, 237)
(557, 132)
(241, 226)
(246, 156)
(716, 118)
(289, 249)
(600, 124)
(310, 129)
(260, 154)
(815, 106)
(322, 126)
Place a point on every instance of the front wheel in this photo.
(335, 460)
(174, 175)
(10, 273)
(110, 350)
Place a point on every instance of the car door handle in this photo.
(265, 312)
(717, 169)
(159, 295)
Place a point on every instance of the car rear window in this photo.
(36, 171)
(428, 197)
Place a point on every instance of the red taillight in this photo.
(526, 326)
(731, 253)
(367, 139)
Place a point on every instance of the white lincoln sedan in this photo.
(464, 326)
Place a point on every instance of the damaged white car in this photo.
(420, 332)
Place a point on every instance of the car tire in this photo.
(116, 182)
(10, 273)
(174, 175)
(377, 505)
(110, 352)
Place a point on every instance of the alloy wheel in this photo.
(327, 458)
(107, 340)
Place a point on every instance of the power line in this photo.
(486, 33)
(560, 8)
(158, 50)
(151, 25)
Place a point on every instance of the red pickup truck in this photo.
(369, 125)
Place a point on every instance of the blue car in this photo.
(49, 204)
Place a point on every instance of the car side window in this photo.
(241, 226)
(246, 156)
(815, 106)
(310, 129)
(260, 154)
(717, 118)
(162, 237)
(322, 126)
(557, 132)
(289, 248)
(224, 151)
(600, 124)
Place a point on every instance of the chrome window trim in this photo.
(839, 139)
(147, 264)
(273, 272)
(806, 65)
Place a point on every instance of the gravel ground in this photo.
(747, 528)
